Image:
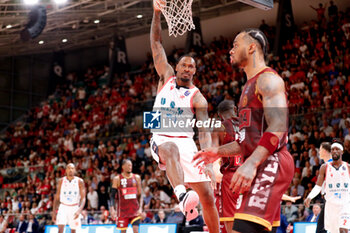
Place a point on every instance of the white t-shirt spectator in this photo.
(164, 197)
(327, 130)
(147, 152)
(81, 94)
(68, 144)
(342, 123)
(286, 73)
(300, 85)
(93, 199)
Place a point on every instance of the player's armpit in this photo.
(163, 68)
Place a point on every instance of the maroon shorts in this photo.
(123, 222)
(261, 204)
(225, 199)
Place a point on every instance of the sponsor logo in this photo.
(151, 120)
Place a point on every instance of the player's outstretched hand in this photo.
(208, 155)
(289, 198)
(307, 202)
(243, 177)
(158, 5)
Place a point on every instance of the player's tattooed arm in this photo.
(271, 88)
(82, 198)
(82, 194)
(200, 105)
(229, 149)
(272, 91)
(163, 68)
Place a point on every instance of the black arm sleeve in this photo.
(113, 196)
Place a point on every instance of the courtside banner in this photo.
(304, 227)
(111, 228)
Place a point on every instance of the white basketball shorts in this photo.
(65, 215)
(187, 149)
(336, 217)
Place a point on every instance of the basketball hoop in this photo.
(178, 15)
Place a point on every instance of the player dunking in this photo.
(263, 122)
(335, 178)
(70, 200)
(226, 200)
(178, 99)
(126, 189)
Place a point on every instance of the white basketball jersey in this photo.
(70, 194)
(337, 184)
(175, 106)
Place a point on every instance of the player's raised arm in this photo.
(164, 69)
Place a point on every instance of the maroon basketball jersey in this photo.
(252, 122)
(230, 164)
(128, 204)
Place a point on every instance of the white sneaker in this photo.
(188, 205)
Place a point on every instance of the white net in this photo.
(178, 15)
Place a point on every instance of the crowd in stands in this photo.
(96, 126)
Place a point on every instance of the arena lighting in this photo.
(60, 1)
(30, 2)
(139, 16)
(41, 42)
(9, 26)
(97, 21)
(64, 40)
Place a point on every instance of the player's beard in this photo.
(240, 60)
(185, 80)
(335, 156)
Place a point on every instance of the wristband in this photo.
(269, 141)
(314, 192)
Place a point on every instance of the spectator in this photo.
(33, 224)
(93, 198)
(145, 218)
(283, 224)
(86, 217)
(291, 212)
(160, 217)
(22, 225)
(103, 197)
(3, 224)
(332, 10)
(176, 216)
(316, 210)
(296, 185)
